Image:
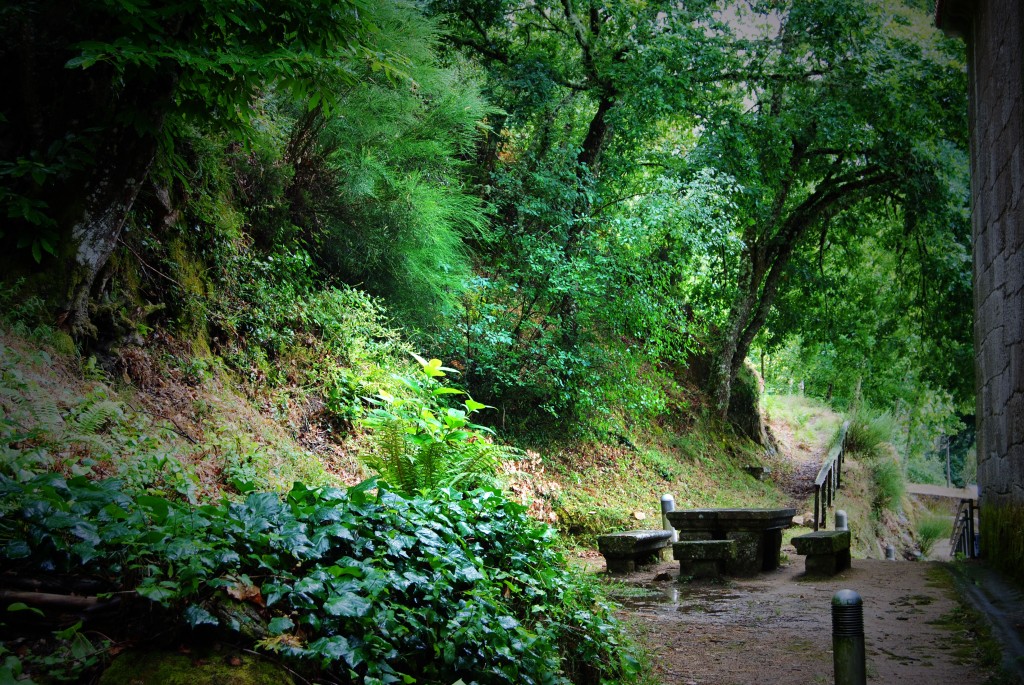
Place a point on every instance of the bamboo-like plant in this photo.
(422, 446)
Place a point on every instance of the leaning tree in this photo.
(838, 107)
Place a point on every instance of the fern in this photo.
(94, 417)
(421, 446)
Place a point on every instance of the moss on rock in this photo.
(1001, 528)
(211, 668)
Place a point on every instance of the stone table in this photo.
(757, 532)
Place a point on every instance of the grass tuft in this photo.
(868, 432)
(930, 530)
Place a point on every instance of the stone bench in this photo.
(827, 551)
(624, 552)
(704, 558)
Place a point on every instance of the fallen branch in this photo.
(49, 600)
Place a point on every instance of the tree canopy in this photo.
(574, 201)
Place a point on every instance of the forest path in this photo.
(803, 433)
(776, 628)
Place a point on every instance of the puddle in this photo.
(671, 597)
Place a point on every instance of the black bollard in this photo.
(848, 638)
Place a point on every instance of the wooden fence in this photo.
(829, 478)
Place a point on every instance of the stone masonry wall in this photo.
(997, 186)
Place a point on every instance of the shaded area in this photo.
(1002, 605)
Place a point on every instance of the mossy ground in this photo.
(212, 666)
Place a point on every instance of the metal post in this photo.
(841, 520)
(668, 503)
(949, 480)
(848, 654)
(971, 552)
(839, 468)
(890, 553)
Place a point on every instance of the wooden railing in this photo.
(962, 539)
(829, 478)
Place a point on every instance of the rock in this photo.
(639, 515)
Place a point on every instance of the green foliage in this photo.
(869, 432)
(421, 445)
(889, 485)
(931, 529)
(376, 195)
(337, 342)
(114, 81)
(356, 586)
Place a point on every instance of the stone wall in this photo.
(993, 31)
(997, 177)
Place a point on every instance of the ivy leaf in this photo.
(21, 606)
(335, 648)
(158, 592)
(197, 616)
(347, 604)
(279, 625)
(469, 573)
(17, 549)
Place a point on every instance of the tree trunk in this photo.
(725, 367)
(759, 282)
(122, 167)
(589, 160)
(108, 201)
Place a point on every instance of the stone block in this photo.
(702, 550)
(704, 558)
(626, 551)
(827, 552)
(749, 559)
(695, 535)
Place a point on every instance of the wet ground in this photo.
(776, 628)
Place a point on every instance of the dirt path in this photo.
(801, 448)
(776, 628)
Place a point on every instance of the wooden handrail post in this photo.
(817, 491)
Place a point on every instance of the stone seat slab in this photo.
(822, 542)
(624, 551)
(827, 551)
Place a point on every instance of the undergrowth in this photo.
(360, 585)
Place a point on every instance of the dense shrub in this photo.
(363, 585)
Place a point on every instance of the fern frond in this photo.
(48, 417)
(94, 418)
(432, 460)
